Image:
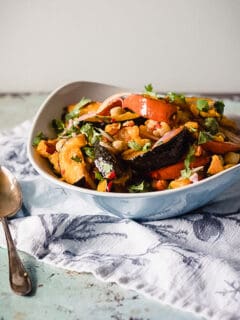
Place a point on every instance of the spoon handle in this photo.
(18, 276)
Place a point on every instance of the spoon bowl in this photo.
(10, 194)
(10, 203)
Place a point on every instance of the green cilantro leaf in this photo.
(211, 125)
(58, 125)
(40, 136)
(149, 91)
(148, 88)
(176, 98)
(187, 172)
(219, 106)
(134, 145)
(192, 129)
(202, 105)
(91, 134)
(74, 113)
(71, 131)
(98, 176)
(89, 152)
(146, 147)
(76, 158)
(204, 136)
(143, 186)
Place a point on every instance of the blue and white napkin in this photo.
(191, 262)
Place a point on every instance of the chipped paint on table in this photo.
(58, 293)
(61, 294)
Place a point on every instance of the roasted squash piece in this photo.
(178, 183)
(102, 185)
(46, 147)
(216, 165)
(72, 164)
(54, 159)
(90, 107)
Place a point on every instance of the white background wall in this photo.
(182, 45)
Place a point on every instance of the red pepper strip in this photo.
(220, 147)
(109, 186)
(174, 171)
(158, 110)
(111, 175)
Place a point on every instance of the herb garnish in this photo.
(204, 136)
(187, 172)
(89, 152)
(211, 125)
(91, 134)
(74, 113)
(40, 136)
(219, 106)
(58, 125)
(149, 91)
(76, 158)
(146, 147)
(98, 176)
(72, 130)
(176, 98)
(136, 146)
(202, 105)
(143, 186)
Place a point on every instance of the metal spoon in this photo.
(10, 203)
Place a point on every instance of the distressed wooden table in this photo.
(61, 294)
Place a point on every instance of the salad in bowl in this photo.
(137, 155)
(137, 142)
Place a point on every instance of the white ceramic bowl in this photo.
(149, 205)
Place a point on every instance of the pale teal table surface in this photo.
(60, 294)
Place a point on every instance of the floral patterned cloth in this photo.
(191, 262)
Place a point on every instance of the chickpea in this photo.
(128, 133)
(128, 123)
(219, 137)
(151, 124)
(116, 111)
(113, 128)
(164, 128)
(119, 145)
(191, 125)
(231, 158)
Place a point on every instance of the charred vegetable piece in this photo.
(72, 164)
(155, 109)
(168, 150)
(221, 147)
(107, 163)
